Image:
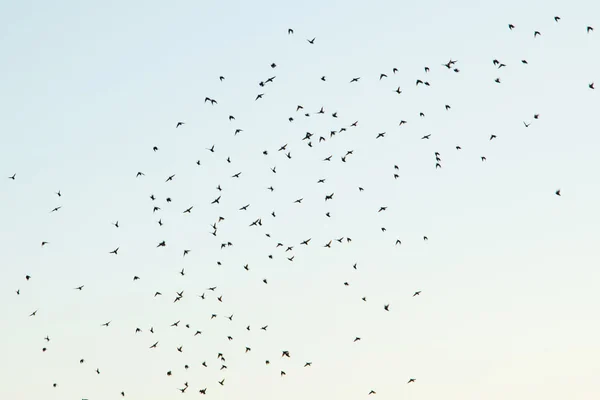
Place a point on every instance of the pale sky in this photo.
(508, 277)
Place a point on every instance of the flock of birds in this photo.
(311, 140)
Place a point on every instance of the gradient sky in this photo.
(509, 275)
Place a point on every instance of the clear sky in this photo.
(508, 278)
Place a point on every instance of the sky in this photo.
(508, 275)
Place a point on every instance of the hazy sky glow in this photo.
(509, 275)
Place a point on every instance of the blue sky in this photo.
(508, 275)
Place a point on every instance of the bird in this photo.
(557, 192)
(311, 41)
